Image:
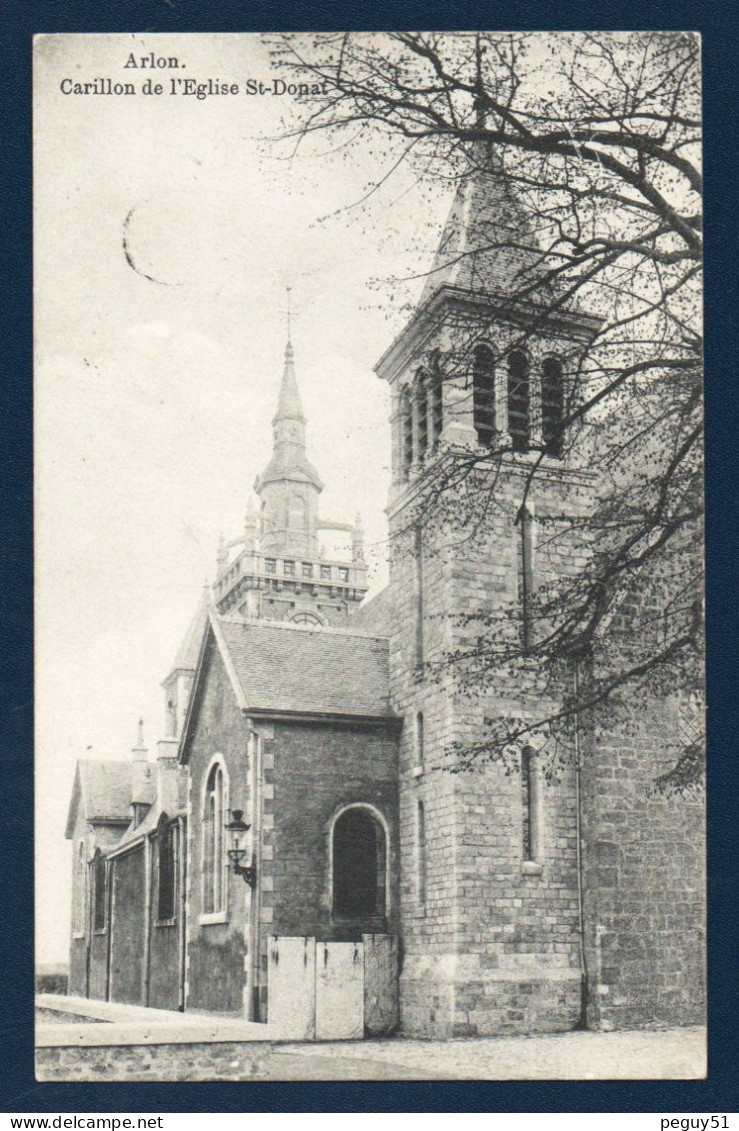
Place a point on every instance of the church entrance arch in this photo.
(359, 864)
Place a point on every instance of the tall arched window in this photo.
(213, 834)
(552, 405)
(419, 390)
(359, 864)
(406, 432)
(167, 844)
(518, 400)
(99, 878)
(483, 393)
(436, 405)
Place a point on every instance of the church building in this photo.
(300, 816)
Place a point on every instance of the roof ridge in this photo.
(318, 630)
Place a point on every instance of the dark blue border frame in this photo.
(18, 1090)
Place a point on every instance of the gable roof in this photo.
(278, 669)
(103, 789)
(300, 669)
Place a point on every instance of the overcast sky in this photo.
(156, 380)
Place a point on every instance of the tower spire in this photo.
(289, 487)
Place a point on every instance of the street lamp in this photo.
(237, 829)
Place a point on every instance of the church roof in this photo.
(189, 649)
(488, 245)
(104, 791)
(297, 669)
(376, 613)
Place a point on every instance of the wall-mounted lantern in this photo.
(237, 829)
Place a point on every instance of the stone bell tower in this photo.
(480, 376)
(279, 570)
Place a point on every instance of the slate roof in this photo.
(487, 245)
(189, 650)
(299, 669)
(104, 790)
(375, 614)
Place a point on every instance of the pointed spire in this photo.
(289, 406)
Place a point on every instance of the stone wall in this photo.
(644, 858)
(495, 945)
(216, 952)
(127, 927)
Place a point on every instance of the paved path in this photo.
(138, 1044)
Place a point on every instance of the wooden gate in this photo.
(332, 990)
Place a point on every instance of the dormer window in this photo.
(270, 565)
(343, 574)
(288, 568)
(326, 573)
(307, 569)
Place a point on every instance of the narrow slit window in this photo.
(518, 400)
(526, 574)
(421, 833)
(420, 754)
(530, 807)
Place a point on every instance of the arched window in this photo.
(307, 618)
(359, 863)
(167, 843)
(483, 393)
(406, 430)
(213, 834)
(421, 414)
(552, 405)
(296, 513)
(436, 404)
(518, 400)
(99, 878)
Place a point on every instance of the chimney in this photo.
(142, 777)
